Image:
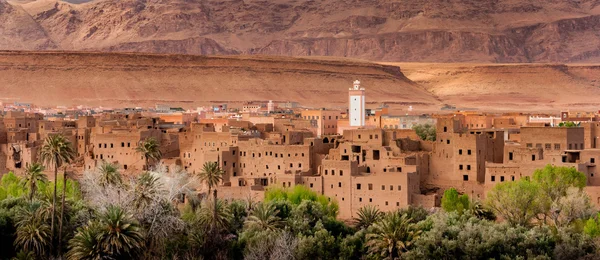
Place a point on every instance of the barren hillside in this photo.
(379, 30)
(57, 78)
(510, 87)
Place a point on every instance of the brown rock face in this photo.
(388, 30)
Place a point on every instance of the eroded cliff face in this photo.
(388, 30)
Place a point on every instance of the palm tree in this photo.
(211, 174)
(33, 175)
(391, 236)
(367, 215)
(146, 189)
(33, 232)
(57, 151)
(116, 235)
(264, 217)
(216, 214)
(150, 149)
(85, 245)
(109, 174)
(122, 235)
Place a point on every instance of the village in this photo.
(357, 156)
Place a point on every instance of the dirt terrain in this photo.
(510, 87)
(497, 31)
(126, 80)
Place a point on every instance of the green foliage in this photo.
(299, 194)
(517, 202)
(453, 201)
(11, 187)
(568, 124)
(464, 236)
(426, 132)
(116, 235)
(150, 149)
(366, 216)
(555, 193)
(592, 226)
(391, 236)
(211, 174)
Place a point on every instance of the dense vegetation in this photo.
(425, 131)
(108, 216)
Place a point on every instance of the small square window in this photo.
(382, 187)
(501, 178)
(370, 186)
(370, 200)
(465, 177)
(468, 167)
(468, 152)
(459, 151)
(358, 186)
(460, 167)
(593, 160)
(493, 178)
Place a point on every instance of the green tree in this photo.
(34, 173)
(116, 235)
(146, 190)
(426, 132)
(150, 149)
(366, 216)
(109, 174)
(33, 232)
(211, 174)
(592, 226)
(568, 124)
(299, 194)
(516, 201)
(56, 152)
(264, 217)
(391, 236)
(553, 182)
(453, 201)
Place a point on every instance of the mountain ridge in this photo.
(491, 31)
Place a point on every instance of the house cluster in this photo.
(355, 158)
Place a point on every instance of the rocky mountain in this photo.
(378, 30)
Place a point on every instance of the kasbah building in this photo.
(353, 157)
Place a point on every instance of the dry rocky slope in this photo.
(510, 87)
(502, 31)
(125, 80)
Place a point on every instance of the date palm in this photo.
(85, 245)
(116, 235)
(121, 235)
(109, 174)
(56, 152)
(211, 174)
(34, 173)
(391, 236)
(264, 217)
(215, 214)
(33, 232)
(366, 216)
(150, 149)
(146, 189)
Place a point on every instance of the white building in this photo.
(356, 113)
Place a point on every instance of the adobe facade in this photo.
(389, 167)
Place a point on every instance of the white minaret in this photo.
(356, 113)
(270, 106)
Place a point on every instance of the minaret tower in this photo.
(356, 113)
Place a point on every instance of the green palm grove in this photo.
(547, 216)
